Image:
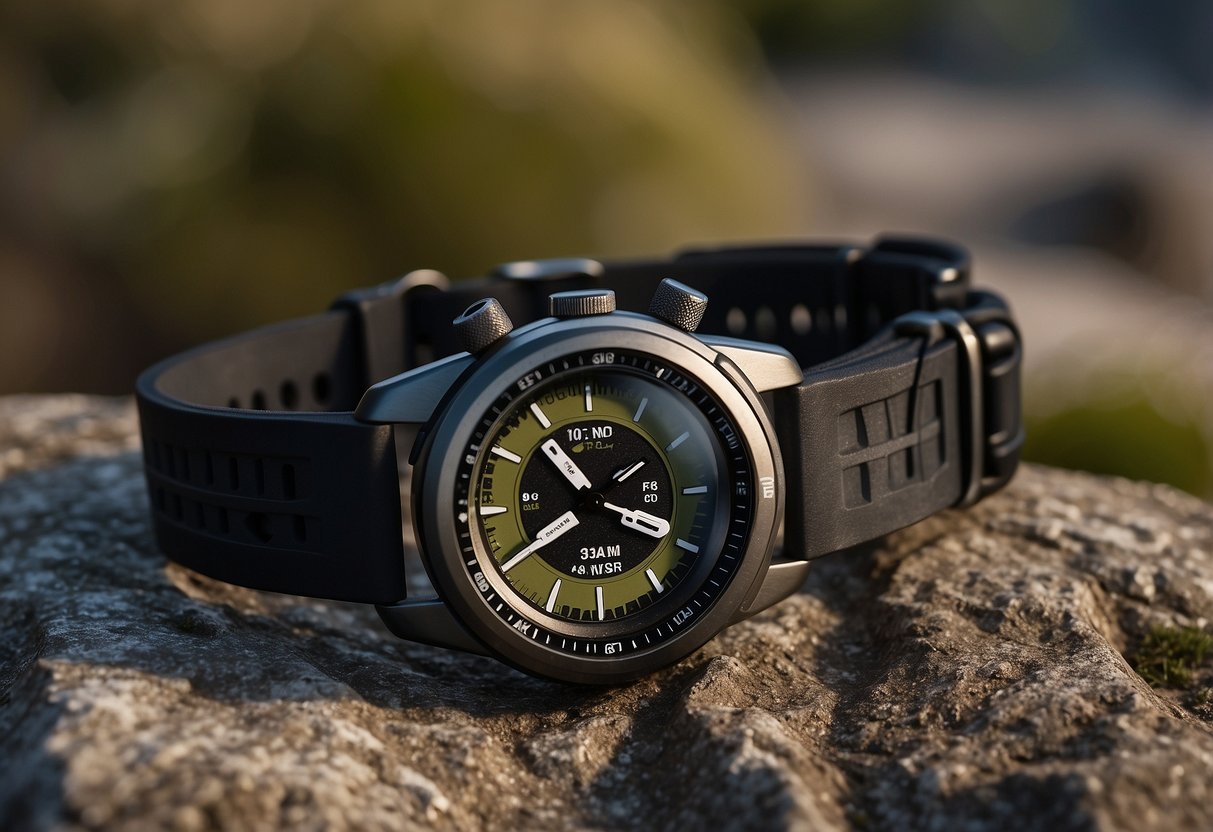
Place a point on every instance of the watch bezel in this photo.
(435, 481)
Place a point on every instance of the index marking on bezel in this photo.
(695, 489)
(489, 511)
(598, 598)
(640, 409)
(551, 604)
(589, 399)
(504, 454)
(678, 440)
(683, 544)
(540, 416)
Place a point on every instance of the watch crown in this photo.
(678, 305)
(582, 304)
(481, 325)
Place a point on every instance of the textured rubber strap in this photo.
(260, 476)
(302, 498)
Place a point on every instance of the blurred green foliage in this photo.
(1128, 437)
(219, 164)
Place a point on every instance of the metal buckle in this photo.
(549, 271)
(934, 326)
(380, 311)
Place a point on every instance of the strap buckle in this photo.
(934, 326)
(990, 357)
(380, 315)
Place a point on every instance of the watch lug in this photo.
(767, 366)
(411, 397)
(429, 621)
(782, 579)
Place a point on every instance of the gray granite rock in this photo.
(968, 673)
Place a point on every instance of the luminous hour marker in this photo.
(541, 416)
(690, 547)
(640, 410)
(551, 604)
(589, 400)
(489, 511)
(598, 595)
(653, 580)
(678, 441)
(504, 454)
(695, 489)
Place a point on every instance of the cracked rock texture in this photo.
(966, 673)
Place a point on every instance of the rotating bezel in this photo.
(441, 475)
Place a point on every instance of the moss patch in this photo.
(1168, 656)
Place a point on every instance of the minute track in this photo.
(620, 566)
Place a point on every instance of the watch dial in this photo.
(607, 505)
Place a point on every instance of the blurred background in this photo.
(172, 172)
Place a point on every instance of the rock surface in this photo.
(968, 673)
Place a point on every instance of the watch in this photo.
(596, 492)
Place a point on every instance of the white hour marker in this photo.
(541, 416)
(504, 454)
(695, 489)
(489, 511)
(598, 595)
(640, 410)
(653, 580)
(679, 440)
(690, 547)
(551, 604)
(589, 400)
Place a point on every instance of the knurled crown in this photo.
(581, 304)
(481, 325)
(678, 305)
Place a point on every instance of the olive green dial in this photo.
(596, 493)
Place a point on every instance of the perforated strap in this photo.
(303, 499)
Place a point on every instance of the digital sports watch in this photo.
(597, 493)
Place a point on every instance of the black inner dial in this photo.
(627, 475)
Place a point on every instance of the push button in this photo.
(481, 325)
(581, 304)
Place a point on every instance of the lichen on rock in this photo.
(968, 672)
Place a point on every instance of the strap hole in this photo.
(258, 525)
(320, 388)
(800, 319)
(735, 321)
(288, 481)
(765, 325)
(288, 394)
(233, 473)
(258, 400)
(300, 528)
(233, 403)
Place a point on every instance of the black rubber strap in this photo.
(260, 476)
(303, 499)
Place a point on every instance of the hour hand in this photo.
(566, 465)
(641, 521)
(546, 535)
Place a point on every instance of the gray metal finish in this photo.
(481, 325)
(410, 398)
(766, 366)
(435, 487)
(678, 305)
(581, 304)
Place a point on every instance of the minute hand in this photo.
(641, 521)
